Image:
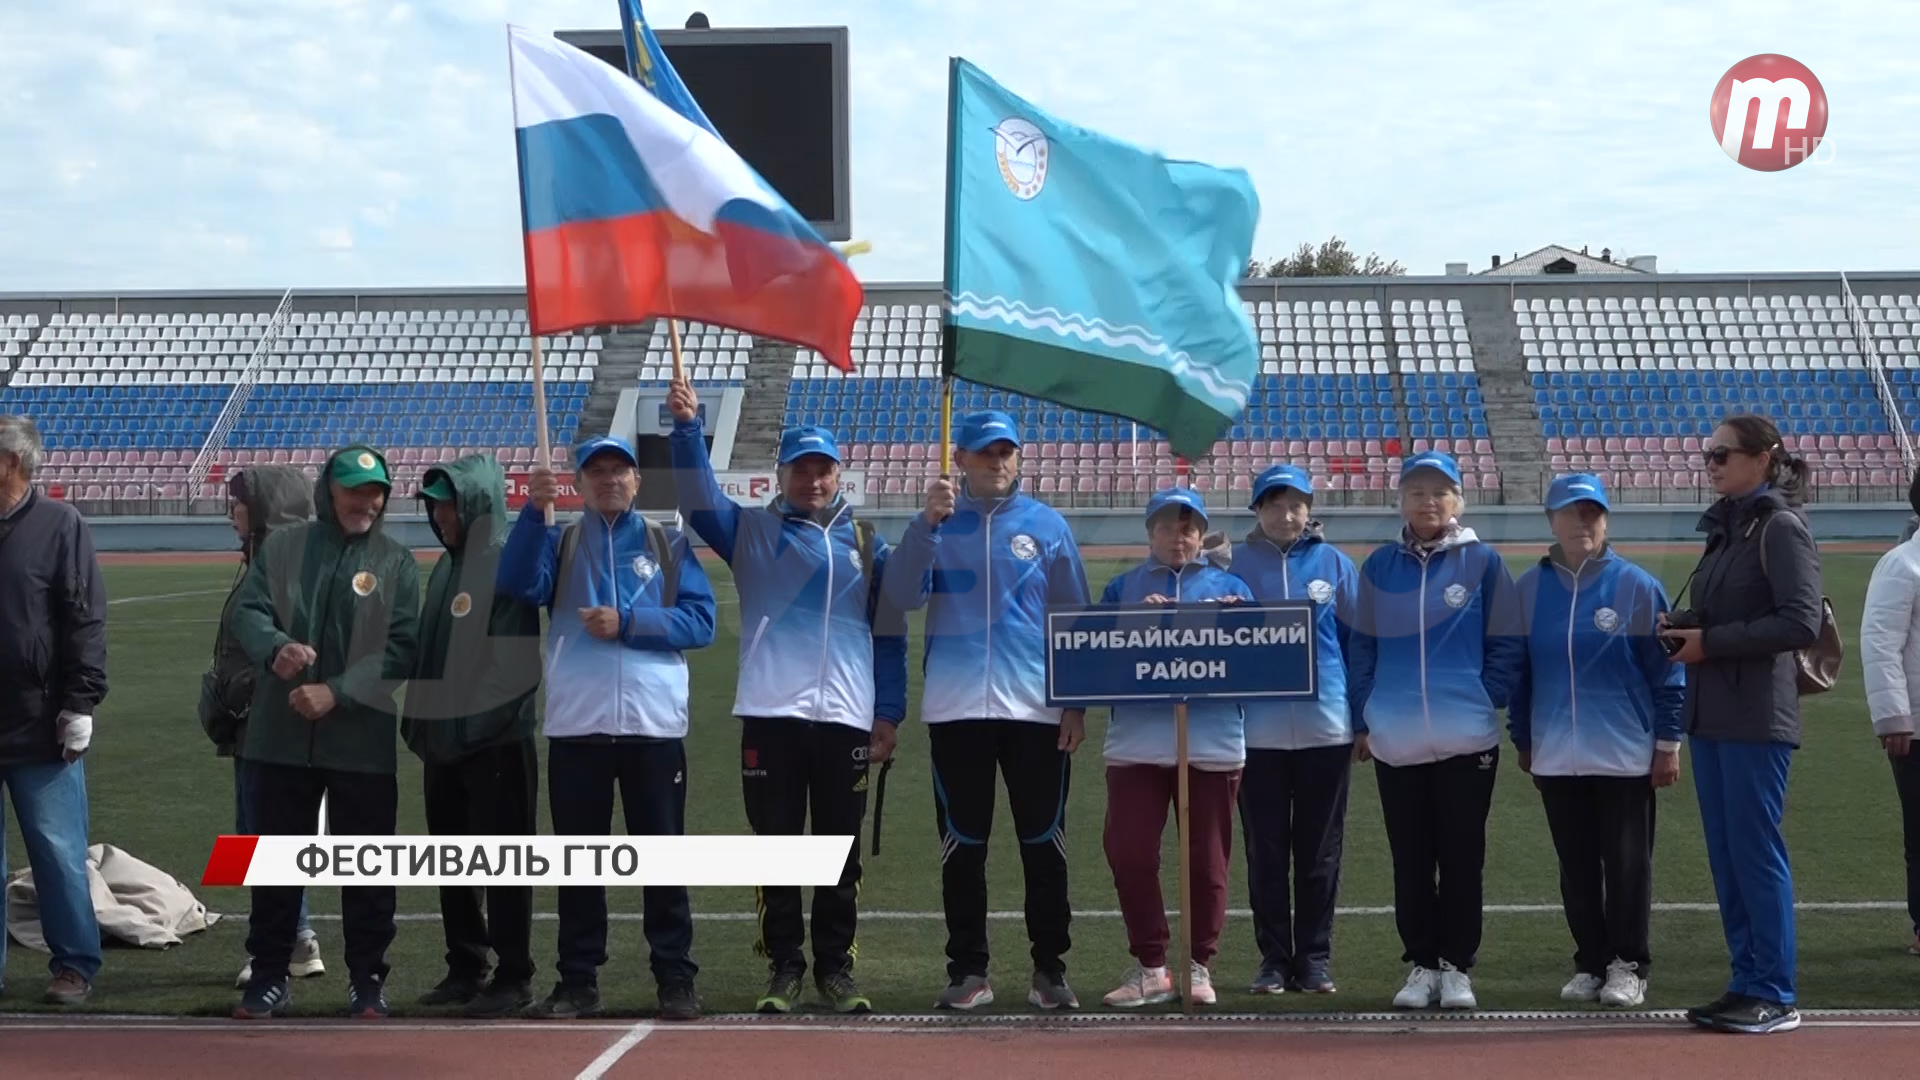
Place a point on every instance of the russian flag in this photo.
(634, 211)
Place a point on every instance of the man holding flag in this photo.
(986, 564)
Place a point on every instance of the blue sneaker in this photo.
(263, 998)
(367, 999)
(1269, 981)
(1315, 980)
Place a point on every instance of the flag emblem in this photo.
(1020, 148)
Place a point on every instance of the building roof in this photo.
(1536, 262)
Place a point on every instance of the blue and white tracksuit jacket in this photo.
(1597, 691)
(986, 576)
(638, 683)
(816, 643)
(1307, 569)
(1435, 648)
(1144, 734)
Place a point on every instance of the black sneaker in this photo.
(262, 999)
(1758, 1017)
(453, 990)
(568, 1003)
(367, 999)
(783, 992)
(679, 1002)
(501, 997)
(1703, 1014)
(842, 994)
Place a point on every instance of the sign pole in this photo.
(1184, 974)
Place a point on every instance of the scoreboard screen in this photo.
(778, 96)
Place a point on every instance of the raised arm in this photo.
(712, 516)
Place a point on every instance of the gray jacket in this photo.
(1745, 690)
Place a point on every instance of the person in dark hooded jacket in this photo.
(261, 500)
(470, 718)
(328, 616)
(1753, 600)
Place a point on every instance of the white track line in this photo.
(1238, 913)
(612, 1054)
(165, 596)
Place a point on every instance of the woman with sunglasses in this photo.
(1752, 601)
(1435, 648)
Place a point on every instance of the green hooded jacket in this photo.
(356, 603)
(276, 496)
(478, 674)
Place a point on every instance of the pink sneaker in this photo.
(1143, 986)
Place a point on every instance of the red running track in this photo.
(82, 1049)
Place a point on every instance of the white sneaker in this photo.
(246, 975)
(1201, 981)
(305, 961)
(1625, 988)
(1582, 987)
(1143, 986)
(1419, 991)
(1456, 990)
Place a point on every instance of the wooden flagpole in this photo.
(1184, 975)
(673, 336)
(946, 428)
(543, 452)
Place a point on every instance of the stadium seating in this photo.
(1351, 379)
(125, 402)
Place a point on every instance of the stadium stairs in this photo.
(1513, 423)
(763, 408)
(622, 354)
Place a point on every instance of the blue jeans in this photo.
(1743, 788)
(243, 825)
(50, 799)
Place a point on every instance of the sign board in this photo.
(756, 488)
(745, 488)
(569, 495)
(1141, 653)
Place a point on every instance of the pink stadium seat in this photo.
(1630, 444)
(1049, 485)
(1296, 449)
(896, 452)
(1483, 447)
(920, 452)
(1242, 484)
(1644, 481)
(1085, 486)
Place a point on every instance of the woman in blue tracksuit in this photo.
(1596, 720)
(1293, 803)
(1435, 648)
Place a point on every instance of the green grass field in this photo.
(159, 793)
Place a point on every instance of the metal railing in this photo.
(1888, 402)
(242, 393)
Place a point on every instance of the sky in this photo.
(319, 144)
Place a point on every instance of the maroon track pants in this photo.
(1138, 800)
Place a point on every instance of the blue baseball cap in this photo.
(604, 444)
(1280, 476)
(983, 429)
(1577, 487)
(798, 442)
(1177, 497)
(1431, 459)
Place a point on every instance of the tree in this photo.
(1332, 259)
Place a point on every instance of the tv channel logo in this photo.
(1769, 113)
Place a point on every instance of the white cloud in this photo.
(317, 143)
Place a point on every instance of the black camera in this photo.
(1681, 619)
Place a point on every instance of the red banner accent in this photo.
(569, 496)
(229, 861)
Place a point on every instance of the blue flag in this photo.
(647, 63)
(1091, 273)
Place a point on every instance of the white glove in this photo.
(76, 731)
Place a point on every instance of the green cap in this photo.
(439, 489)
(360, 467)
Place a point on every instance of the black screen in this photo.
(772, 103)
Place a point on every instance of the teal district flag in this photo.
(1091, 273)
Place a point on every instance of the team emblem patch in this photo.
(462, 604)
(1319, 590)
(1606, 620)
(645, 567)
(1456, 595)
(364, 583)
(366, 460)
(1024, 547)
(853, 557)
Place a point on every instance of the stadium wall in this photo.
(1098, 528)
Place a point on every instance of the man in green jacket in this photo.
(262, 499)
(470, 717)
(328, 616)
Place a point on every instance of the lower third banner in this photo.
(527, 860)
